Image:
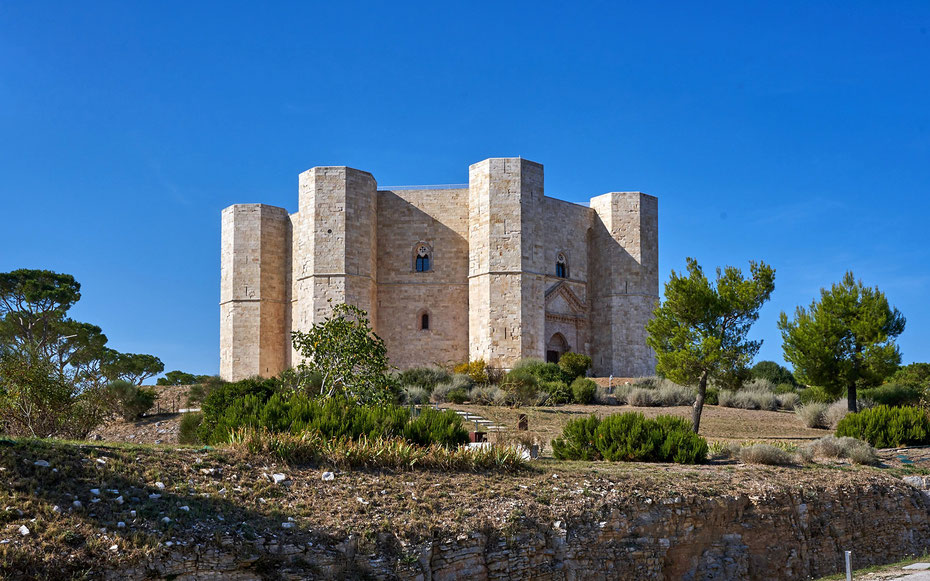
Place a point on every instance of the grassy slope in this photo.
(415, 506)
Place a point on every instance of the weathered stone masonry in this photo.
(510, 273)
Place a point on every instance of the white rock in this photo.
(41, 463)
(361, 500)
(76, 504)
(287, 525)
(94, 500)
(120, 525)
(184, 508)
(24, 530)
(132, 513)
(160, 485)
(154, 496)
(113, 491)
(95, 491)
(114, 547)
(169, 544)
(222, 491)
(278, 478)
(101, 461)
(327, 476)
(118, 500)
(56, 509)
(166, 520)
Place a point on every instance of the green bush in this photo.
(521, 385)
(892, 394)
(712, 396)
(414, 395)
(425, 377)
(785, 388)
(815, 394)
(436, 427)
(218, 405)
(577, 440)
(583, 390)
(574, 365)
(771, 371)
(187, 432)
(887, 427)
(559, 392)
(630, 436)
(131, 401)
(541, 370)
(458, 395)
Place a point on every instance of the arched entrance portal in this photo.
(556, 346)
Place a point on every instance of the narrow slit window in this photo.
(424, 322)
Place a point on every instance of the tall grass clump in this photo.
(187, 431)
(857, 451)
(788, 401)
(414, 395)
(456, 388)
(887, 427)
(641, 397)
(764, 454)
(813, 414)
(377, 453)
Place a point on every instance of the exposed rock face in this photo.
(782, 536)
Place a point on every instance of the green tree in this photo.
(773, 372)
(349, 357)
(178, 377)
(845, 340)
(916, 375)
(132, 367)
(699, 332)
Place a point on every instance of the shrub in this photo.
(577, 440)
(541, 370)
(459, 383)
(856, 451)
(199, 392)
(835, 412)
(759, 384)
(892, 394)
(414, 395)
(648, 382)
(458, 395)
(632, 437)
(641, 397)
(886, 427)
(574, 365)
(521, 385)
(748, 399)
(436, 427)
(222, 397)
(187, 432)
(484, 394)
(785, 388)
(476, 370)
(788, 401)
(131, 401)
(812, 414)
(559, 392)
(712, 396)
(601, 397)
(764, 454)
(815, 394)
(583, 390)
(671, 394)
(424, 377)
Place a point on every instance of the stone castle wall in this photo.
(492, 292)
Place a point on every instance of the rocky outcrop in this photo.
(784, 535)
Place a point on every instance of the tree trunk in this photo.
(851, 398)
(699, 403)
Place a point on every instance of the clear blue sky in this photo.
(793, 132)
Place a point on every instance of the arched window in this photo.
(423, 320)
(422, 261)
(561, 266)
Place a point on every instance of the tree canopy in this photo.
(349, 358)
(845, 340)
(699, 331)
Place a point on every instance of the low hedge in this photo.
(887, 427)
(630, 437)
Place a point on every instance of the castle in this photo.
(494, 271)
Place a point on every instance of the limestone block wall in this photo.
(335, 256)
(253, 290)
(624, 249)
(438, 219)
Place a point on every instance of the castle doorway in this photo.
(556, 346)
